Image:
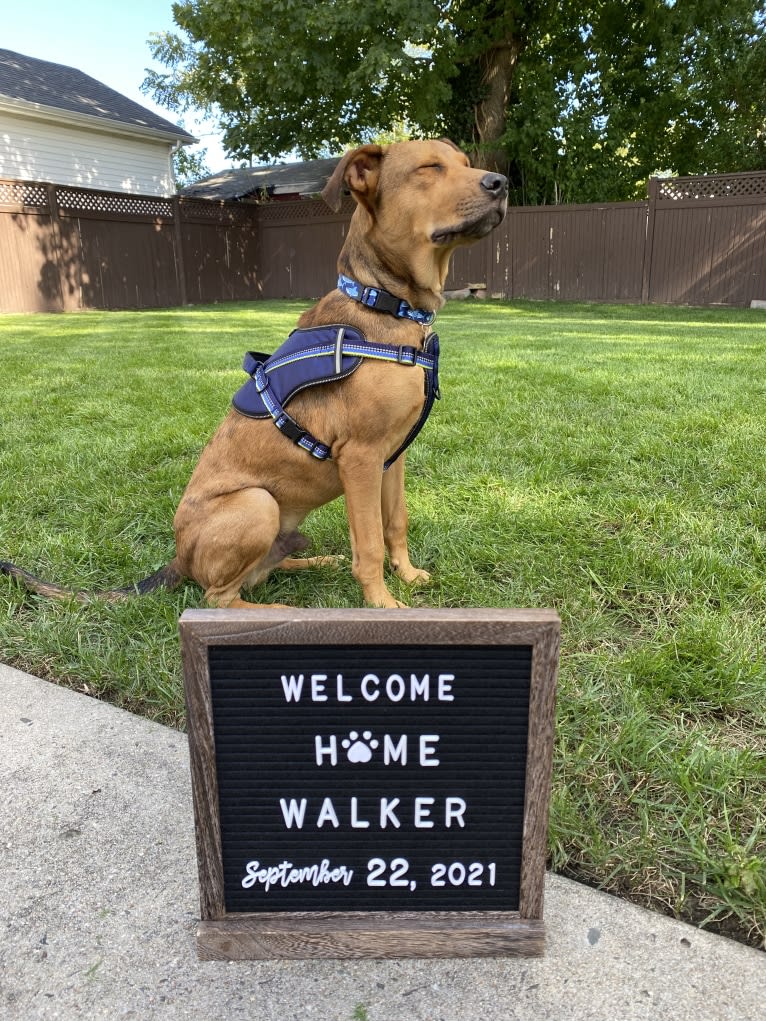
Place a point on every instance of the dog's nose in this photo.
(496, 185)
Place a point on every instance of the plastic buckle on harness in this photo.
(289, 428)
(406, 355)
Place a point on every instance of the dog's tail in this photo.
(168, 577)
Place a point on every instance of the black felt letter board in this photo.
(373, 778)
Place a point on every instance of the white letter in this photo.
(387, 812)
(392, 752)
(422, 812)
(292, 812)
(400, 685)
(445, 688)
(327, 814)
(356, 822)
(427, 742)
(341, 696)
(293, 687)
(330, 749)
(252, 874)
(317, 688)
(419, 687)
(454, 808)
(372, 680)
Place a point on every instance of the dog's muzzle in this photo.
(482, 213)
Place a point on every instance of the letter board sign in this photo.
(370, 784)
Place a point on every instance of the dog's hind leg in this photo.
(235, 541)
(302, 563)
(292, 542)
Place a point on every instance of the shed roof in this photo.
(45, 84)
(306, 178)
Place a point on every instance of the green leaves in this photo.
(299, 75)
(586, 99)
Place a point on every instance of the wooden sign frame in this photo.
(240, 935)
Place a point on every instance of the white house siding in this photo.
(39, 150)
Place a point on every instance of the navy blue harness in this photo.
(325, 354)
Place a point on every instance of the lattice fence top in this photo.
(228, 212)
(713, 186)
(21, 193)
(305, 209)
(77, 200)
(74, 200)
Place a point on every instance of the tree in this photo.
(575, 100)
(632, 88)
(697, 81)
(189, 167)
(306, 75)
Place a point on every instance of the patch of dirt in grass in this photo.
(696, 909)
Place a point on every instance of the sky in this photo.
(108, 42)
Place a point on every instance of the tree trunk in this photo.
(498, 65)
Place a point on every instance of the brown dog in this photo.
(239, 515)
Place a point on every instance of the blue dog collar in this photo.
(383, 301)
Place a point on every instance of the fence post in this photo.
(58, 245)
(180, 262)
(497, 245)
(257, 222)
(651, 213)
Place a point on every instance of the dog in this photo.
(254, 484)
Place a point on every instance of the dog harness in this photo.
(326, 354)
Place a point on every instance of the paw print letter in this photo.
(359, 749)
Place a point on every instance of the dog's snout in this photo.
(495, 184)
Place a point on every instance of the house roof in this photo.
(44, 85)
(307, 178)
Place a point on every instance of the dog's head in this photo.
(423, 193)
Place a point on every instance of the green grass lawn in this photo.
(605, 461)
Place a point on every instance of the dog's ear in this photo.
(359, 170)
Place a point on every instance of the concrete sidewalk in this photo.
(98, 892)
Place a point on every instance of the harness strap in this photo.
(404, 354)
(432, 394)
(258, 368)
(284, 422)
(383, 301)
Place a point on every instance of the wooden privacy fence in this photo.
(696, 241)
(706, 240)
(64, 248)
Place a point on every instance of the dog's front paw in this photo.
(383, 600)
(413, 575)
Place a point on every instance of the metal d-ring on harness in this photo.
(326, 354)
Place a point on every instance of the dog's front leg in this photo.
(362, 478)
(395, 521)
